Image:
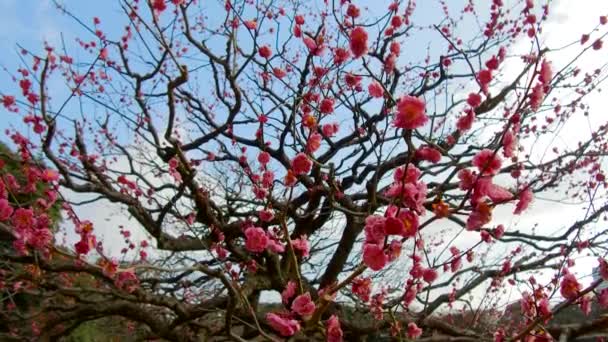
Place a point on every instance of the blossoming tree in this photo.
(367, 165)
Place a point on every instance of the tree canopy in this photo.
(307, 170)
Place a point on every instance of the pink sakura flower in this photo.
(603, 266)
(49, 175)
(484, 187)
(362, 288)
(353, 11)
(546, 73)
(326, 106)
(395, 48)
(353, 81)
(394, 250)
(603, 298)
(341, 55)
(537, 96)
(484, 77)
(374, 256)
(265, 51)
(411, 113)
(481, 215)
(499, 231)
(284, 326)
(429, 275)
(266, 215)
(487, 162)
(585, 303)
(330, 129)
(467, 179)
(411, 174)
(569, 287)
(405, 224)
(597, 45)
(250, 24)
(509, 144)
(375, 230)
(301, 246)
(6, 210)
(413, 331)
(23, 218)
(544, 309)
(256, 239)
(314, 142)
(301, 164)
(279, 73)
(465, 122)
(429, 154)
(409, 296)
(303, 305)
(264, 158)
(288, 292)
(375, 89)
(525, 198)
(275, 246)
(159, 5)
(492, 63)
(358, 42)
(474, 100)
(333, 331)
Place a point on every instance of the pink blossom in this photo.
(525, 198)
(487, 162)
(301, 246)
(585, 303)
(358, 42)
(23, 218)
(265, 51)
(474, 100)
(375, 229)
(603, 268)
(429, 154)
(333, 330)
(303, 305)
(6, 210)
(375, 89)
(301, 164)
(264, 158)
(544, 309)
(484, 77)
(374, 256)
(467, 179)
(569, 287)
(284, 326)
(413, 331)
(256, 239)
(603, 298)
(499, 231)
(410, 113)
(275, 246)
(327, 106)
(330, 130)
(481, 215)
(429, 275)
(546, 73)
(266, 215)
(537, 96)
(314, 142)
(509, 144)
(465, 122)
(362, 288)
(289, 291)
